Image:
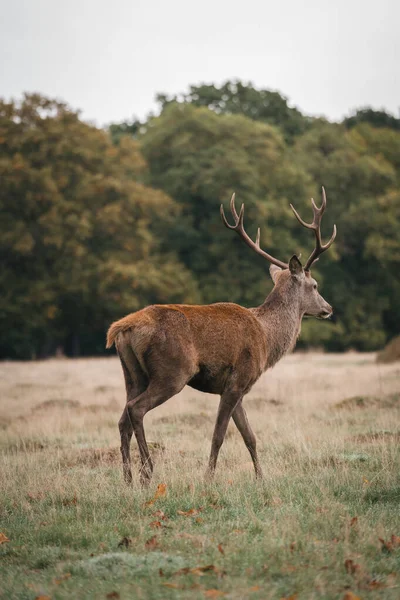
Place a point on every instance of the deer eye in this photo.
(315, 286)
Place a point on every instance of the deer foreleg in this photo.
(227, 405)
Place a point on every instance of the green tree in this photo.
(199, 158)
(236, 97)
(358, 170)
(81, 232)
(376, 118)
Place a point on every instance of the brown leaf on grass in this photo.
(155, 524)
(160, 514)
(126, 542)
(152, 543)
(291, 597)
(349, 595)
(374, 584)
(172, 585)
(292, 546)
(391, 544)
(220, 548)
(214, 593)
(112, 596)
(62, 578)
(395, 539)
(161, 491)
(161, 572)
(353, 521)
(255, 588)
(3, 538)
(189, 513)
(200, 571)
(351, 567)
(42, 597)
(70, 501)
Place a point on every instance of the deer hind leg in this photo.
(135, 383)
(158, 392)
(240, 418)
(227, 405)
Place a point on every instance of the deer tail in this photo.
(116, 328)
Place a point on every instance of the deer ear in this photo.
(295, 266)
(273, 271)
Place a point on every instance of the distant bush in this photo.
(391, 352)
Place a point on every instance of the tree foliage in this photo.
(99, 223)
(235, 97)
(81, 232)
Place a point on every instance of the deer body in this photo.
(219, 348)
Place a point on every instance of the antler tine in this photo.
(318, 211)
(239, 228)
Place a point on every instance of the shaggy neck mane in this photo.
(280, 317)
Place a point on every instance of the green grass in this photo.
(291, 534)
(331, 491)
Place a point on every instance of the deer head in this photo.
(291, 279)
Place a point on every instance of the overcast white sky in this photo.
(110, 58)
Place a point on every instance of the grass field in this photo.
(320, 525)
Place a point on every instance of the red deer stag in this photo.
(219, 348)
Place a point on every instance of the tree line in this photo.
(100, 222)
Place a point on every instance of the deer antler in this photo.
(239, 228)
(316, 227)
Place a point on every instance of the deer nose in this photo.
(327, 311)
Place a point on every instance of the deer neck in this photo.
(280, 316)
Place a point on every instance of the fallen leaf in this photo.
(214, 593)
(200, 570)
(113, 596)
(41, 597)
(161, 572)
(395, 539)
(220, 548)
(353, 521)
(199, 520)
(126, 541)
(350, 596)
(160, 492)
(351, 567)
(255, 588)
(374, 584)
(292, 546)
(172, 585)
(292, 597)
(160, 514)
(70, 501)
(152, 543)
(155, 524)
(3, 538)
(391, 544)
(62, 578)
(189, 513)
